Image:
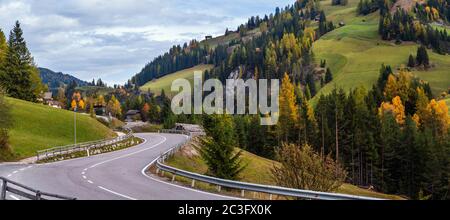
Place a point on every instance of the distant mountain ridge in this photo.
(54, 80)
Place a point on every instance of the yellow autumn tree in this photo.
(114, 107)
(73, 104)
(81, 104)
(398, 85)
(101, 100)
(395, 108)
(421, 106)
(309, 37)
(437, 119)
(390, 90)
(404, 79)
(416, 119)
(288, 118)
(290, 47)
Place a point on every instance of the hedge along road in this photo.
(116, 175)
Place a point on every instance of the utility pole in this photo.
(75, 123)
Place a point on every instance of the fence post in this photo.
(38, 195)
(3, 193)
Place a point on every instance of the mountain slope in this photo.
(55, 80)
(356, 52)
(38, 127)
(165, 82)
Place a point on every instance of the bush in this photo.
(302, 168)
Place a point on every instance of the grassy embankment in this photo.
(257, 170)
(38, 127)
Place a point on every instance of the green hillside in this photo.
(166, 82)
(38, 127)
(355, 52)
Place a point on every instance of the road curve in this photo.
(112, 176)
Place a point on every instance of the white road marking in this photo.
(15, 198)
(84, 177)
(22, 169)
(82, 173)
(116, 193)
(15, 172)
(130, 154)
(9, 175)
(29, 167)
(90, 182)
(85, 169)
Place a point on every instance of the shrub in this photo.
(302, 168)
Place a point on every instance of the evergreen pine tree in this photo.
(411, 61)
(422, 57)
(312, 84)
(328, 76)
(20, 80)
(218, 149)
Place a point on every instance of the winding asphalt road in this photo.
(112, 176)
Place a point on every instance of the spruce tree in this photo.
(328, 76)
(312, 84)
(218, 149)
(422, 57)
(20, 74)
(411, 61)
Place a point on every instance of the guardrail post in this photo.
(38, 195)
(193, 183)
(3, 193)
(243, 193)
(173, 178)
(157, 171)
(270, 197)
(219, 188)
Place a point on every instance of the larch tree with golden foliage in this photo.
(438, 120)
(395, 108)
(114, 107)
(288, 118)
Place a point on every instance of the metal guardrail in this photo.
(68, 149)
(244, 186)
(9, 186)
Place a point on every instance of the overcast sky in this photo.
(114, 39)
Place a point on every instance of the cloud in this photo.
(114, 39)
